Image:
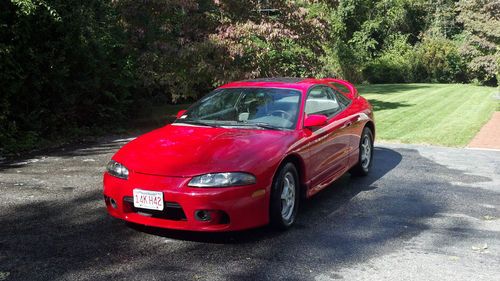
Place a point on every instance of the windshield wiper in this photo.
(260, 125)
(244, 123)
(197, 122)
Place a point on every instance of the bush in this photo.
(71, 67)
(63, 68)
(395, 63)
(481, 39)
(438, 60)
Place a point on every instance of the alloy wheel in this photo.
(288, 196)
(366, 152)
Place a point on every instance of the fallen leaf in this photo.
(4, 275)
(488, 218)
(480, 247)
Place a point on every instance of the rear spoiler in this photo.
(353, 92)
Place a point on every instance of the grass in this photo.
(440, 114)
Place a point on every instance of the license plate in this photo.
(145, 199)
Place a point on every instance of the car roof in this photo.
(277, 79)
(278, 82)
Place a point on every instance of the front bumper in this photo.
(231, 208)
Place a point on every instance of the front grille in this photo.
(172, 210)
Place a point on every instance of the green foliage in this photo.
(60, 70)
(75, 67)
(29, 7)
(481, 21)
(395, 63)
(438, 60)
(286, 44)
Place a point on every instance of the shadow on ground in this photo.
(89, 149)
(390, 88)
(332, 198)
(379, 105)
(70, 237)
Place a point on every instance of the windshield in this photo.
(267, 108)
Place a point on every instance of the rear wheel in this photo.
(365, 154)
(284, 197)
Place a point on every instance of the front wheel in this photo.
(284, 197)
(365, 154)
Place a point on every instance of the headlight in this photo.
(222, 180)
(116, 169)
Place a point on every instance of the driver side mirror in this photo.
(315, 120)
(180, 113)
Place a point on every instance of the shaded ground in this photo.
(424, 213)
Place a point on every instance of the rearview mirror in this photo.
(315, 120)
(180, 113)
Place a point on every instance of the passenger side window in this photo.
(322, 100)
(342, 99)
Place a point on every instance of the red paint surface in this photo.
(167, 158)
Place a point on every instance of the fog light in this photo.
(202, 215)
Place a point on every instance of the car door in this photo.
(353, 120)
(329, 145)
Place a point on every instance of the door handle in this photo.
(347, 124)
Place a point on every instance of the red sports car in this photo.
(243, 156)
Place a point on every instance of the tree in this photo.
(481, 21)
(63, 69)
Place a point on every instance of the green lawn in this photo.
(442, 114)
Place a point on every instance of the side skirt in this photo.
(352, 160)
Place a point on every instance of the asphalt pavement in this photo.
(424, 213)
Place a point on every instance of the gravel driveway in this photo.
(424, 213)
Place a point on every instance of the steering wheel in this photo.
(284, 114)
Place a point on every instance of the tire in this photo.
(365, 160)
(283, 211)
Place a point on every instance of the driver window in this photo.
(322, 100)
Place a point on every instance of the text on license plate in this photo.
(146, 199)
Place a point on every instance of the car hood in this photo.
(184, 151)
